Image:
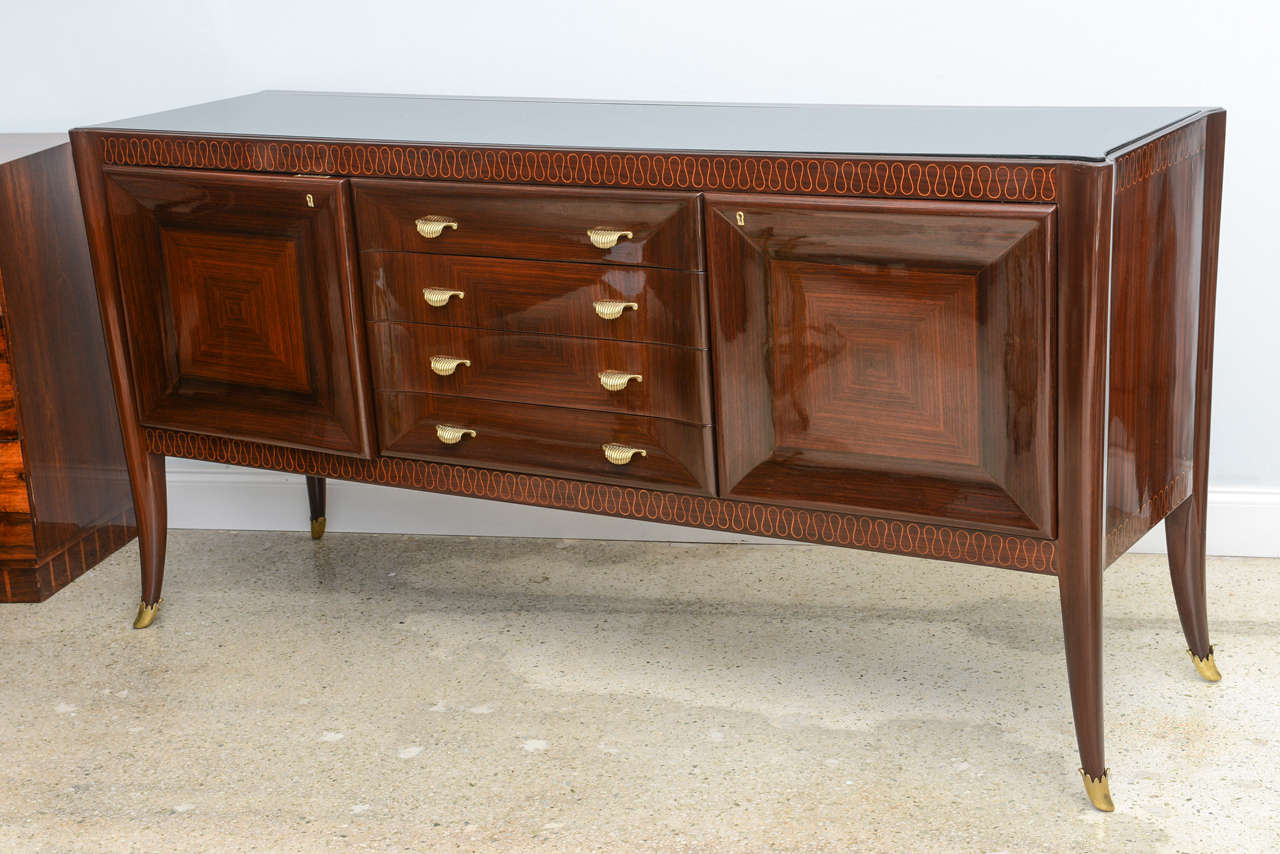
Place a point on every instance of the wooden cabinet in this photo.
(64, 489)
(241, 300)
(885, 357)
(981, 335)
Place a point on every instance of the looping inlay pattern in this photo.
(1158, 155)
(743, 517)
(836, 176)
(1131, 527)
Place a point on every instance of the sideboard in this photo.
(979, 335)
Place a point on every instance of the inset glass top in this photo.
(1069, 133)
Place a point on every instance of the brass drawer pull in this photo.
(620, 455)
(611, 309)
(434, 226)
(606, 238)
(617, 380)
(437, 297)
(451, 435)
(446, 365)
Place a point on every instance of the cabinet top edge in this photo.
(1089, 134)
(16, 146)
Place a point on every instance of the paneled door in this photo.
(243, 314)
(893, 357)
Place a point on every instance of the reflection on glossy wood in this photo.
(542, 369)
(542, 297)
(64, 491)
(532, 222)
(547, 440)
(889, 356)
(1155, 312)
(242, 307)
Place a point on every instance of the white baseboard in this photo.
(207, 495)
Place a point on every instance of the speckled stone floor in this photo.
(392, 693)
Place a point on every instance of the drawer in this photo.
(547, 440)
(543, 369)
(587, 300)
(545, 223)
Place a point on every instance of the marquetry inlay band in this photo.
(835, 176)
(1130, 527)
(744, 517)
(1158, 155)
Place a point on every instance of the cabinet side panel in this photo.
(1155, 303)
(66, 410)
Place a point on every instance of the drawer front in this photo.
(542, 369)
(547, 440)
(586, 300)
(550, 224)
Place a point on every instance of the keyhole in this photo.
(742, 219)
(311, 203)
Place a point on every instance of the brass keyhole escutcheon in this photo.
(742, 218)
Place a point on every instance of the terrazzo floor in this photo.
(388, 693)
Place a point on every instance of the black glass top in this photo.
(1071, 133)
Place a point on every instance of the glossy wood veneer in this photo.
(64, 489)
(543, 369)
(889, 356)
(1156, 301)
(531, 222)
(243, 307)
(537, 296)
(548, 440)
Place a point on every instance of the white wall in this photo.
(70, 63)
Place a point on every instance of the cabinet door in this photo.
(240, 298)
(890, 357)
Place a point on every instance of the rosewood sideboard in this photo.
(64, 489)
(980, 335)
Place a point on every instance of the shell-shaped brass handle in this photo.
(606, 238)
(433, 226)
(446, 365)
(617, 380)
(611, 309)
(451, 435)
(437, 297)
(620, 455)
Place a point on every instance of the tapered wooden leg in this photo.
(150, 501)
(1081, 594)
(315, 498)
(1185, 526)
(1184, 530)
(1084, 212)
